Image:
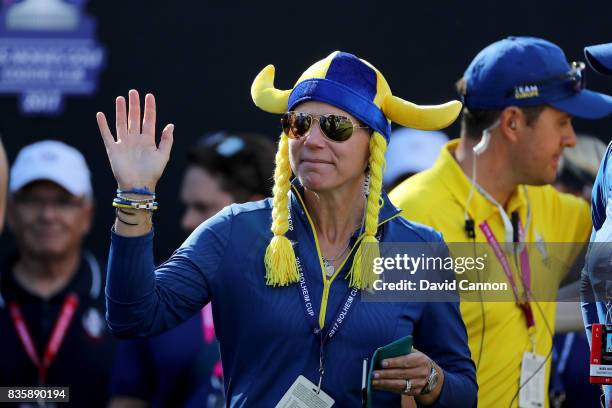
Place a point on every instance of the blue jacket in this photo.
(597, 272)
(266, 341)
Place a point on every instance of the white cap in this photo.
(586, 155)
(411, 151)
(54, 161)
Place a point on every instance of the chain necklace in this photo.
(328, 262)
(328, 266)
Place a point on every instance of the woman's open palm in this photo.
(135, 158)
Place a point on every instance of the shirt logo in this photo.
(528, 91)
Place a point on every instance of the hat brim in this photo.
(586, 104)
(600, 58)
(55, 179)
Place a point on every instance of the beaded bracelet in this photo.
(141, 191)
(135, 200)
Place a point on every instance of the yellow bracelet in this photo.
(137, 206)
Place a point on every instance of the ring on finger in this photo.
(408, 387)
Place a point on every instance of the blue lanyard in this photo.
(324, 336)
(309, 310)
(341, 315)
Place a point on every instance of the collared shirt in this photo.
(437, 197)
(266, 340)
(83, 361)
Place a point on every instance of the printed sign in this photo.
(47, 50)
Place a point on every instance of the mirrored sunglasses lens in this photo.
(286, 123)
(337, 128)
(301, 124)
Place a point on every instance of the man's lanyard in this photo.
(508, 227)
(57, 335)
(525, 270)
(324, 336)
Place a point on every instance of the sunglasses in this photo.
(336, 128)
(575, 79)
(577, 76)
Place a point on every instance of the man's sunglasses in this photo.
(336, 128)
(575, 79)
(576, 76)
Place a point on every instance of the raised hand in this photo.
(135, 158)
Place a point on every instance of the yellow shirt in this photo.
(437, 197)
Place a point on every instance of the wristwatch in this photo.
(432, 380)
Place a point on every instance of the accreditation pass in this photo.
(303, 394)
(532, 392)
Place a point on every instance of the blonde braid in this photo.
(361, 275)
(281, 269)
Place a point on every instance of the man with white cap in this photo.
(411, 151)
(52, 303)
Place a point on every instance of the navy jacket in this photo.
(266, 341)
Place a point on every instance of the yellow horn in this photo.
(426, 117)
(265, 95)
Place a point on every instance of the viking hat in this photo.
(357, 87)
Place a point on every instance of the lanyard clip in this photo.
(532, 338)
(321, 371)
(608, 319)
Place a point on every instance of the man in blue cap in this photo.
(597, 261)
(491, 186)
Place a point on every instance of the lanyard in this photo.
(57, 335)
(525, 271)
(324, 336)
(508, 228)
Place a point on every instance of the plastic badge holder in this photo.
(399, 347)
(601, 355)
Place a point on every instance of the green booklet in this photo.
(398, 348)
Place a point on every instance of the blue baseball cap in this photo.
(529, 71)
(600, 58)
